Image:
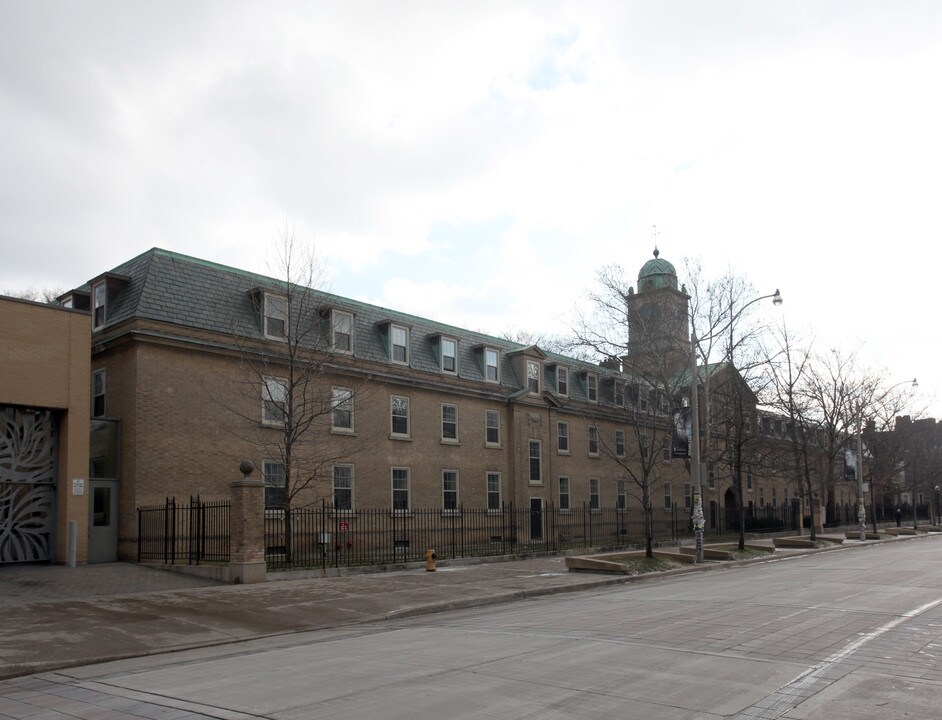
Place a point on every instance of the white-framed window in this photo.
(400, 489)
(399, 412)
(341, 417)
(619, 443)
(619, 393)
(449, 356)
(593, 435)
(688, 496)
(493, 491)
(98, 393)
(594, 498)
(533, 376)
(562, 381)
(274, 401)
(399, 344)
(562, 436)
(449, 422)
(621, 494)
(341, 331)
(275, 317)
(592, 387)
(491, 365)
(564, 497)
(668, 504)
(449, 489)
(492, 427)
(536, 461)
(343, 487)
(275, 486)
(99, 309)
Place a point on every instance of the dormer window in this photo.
(396, 341)
(449, 356)
(491, 360)
(399, 342)
(592, 387)
(445, 351)
(105, 290)
(619, 394)
(562, 381)
(275, 317)
(341, 331)
(533, 376)
(99, 302)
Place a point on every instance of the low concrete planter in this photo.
(792, 542)
(851, 535)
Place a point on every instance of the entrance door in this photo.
(536, 519)
(102, 521)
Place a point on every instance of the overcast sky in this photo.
(477, 162)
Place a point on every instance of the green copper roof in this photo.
(657, 273)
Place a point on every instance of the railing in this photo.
(326, 537)
(190, 533)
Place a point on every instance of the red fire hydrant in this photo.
(430, 560)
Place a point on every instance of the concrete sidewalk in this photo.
(55, 616)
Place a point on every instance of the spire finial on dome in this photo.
(656, 251)
(654, 236)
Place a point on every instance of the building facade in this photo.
(203, 365)
(49, 511)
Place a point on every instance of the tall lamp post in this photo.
(861, 511)
(696, 479)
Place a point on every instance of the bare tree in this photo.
(45, 295)
(788, 371)
(654, 385)
(288, 363)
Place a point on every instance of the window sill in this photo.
(563, 452)
(344, 514)
(593, 455)
(565, 511)
(535, 483)
(405, 438)
(449, 512)
(343, 431)
(493, 446)
(450, 442)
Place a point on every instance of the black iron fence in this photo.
(192, 533)
(319, 537)
(326, 537)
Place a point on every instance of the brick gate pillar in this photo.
(247, 528)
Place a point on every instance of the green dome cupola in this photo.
(657, 273)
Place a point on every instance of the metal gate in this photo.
(27, 484)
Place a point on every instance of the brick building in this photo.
(191, 358)
(44, 436)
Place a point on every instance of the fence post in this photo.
(247, 527)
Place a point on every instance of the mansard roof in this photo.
(168, 287)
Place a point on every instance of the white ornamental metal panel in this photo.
(27, 484)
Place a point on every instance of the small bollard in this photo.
(430, 560)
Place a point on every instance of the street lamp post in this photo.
(696, 477)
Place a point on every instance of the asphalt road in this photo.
(855, 633)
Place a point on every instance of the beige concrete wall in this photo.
(44, 356)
